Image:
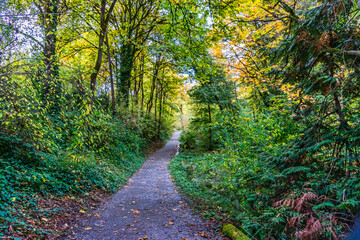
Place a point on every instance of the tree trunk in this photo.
(104, 20)
(133, 97)
(96, 70)
(126, 66)
(142, 95)
(210, 134)
(51, 90)
(160, 110)
(113, 102)
(181, 117)
(141, 79)
(153, 84)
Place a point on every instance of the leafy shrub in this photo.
(42, 154)
(265, 184)
(188, 140)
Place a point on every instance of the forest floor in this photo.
(148, 207)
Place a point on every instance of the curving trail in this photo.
(148, 207)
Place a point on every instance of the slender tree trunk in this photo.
(160, 110)
(98, 62)
(104, 20)
(141, 78)
(142, 96)
(210, 133)
(133, 91)
(151, 98)
(155, 105)
(153, 84)
(136, 81)
(182, 117)
(113, 102)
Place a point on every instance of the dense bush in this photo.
(43, 154)
(257, 180)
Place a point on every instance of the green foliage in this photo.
(84, 88)
(256, 181)
(188, 140)
(287, 166)
(211, 96)
(81, 149)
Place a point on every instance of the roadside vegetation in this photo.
(79, 108)
(266, 92)
(280, 157)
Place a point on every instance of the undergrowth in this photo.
(44, 156)
(67, 173)
(258, 178)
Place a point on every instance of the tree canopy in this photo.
(270, 88)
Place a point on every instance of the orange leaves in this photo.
(250, 24)
(135, 212)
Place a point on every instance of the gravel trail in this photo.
(148, 207)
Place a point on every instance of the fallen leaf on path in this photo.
(82, 211)
(135, 211)
(96, 215)
(88, 228)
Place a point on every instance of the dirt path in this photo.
(148, 207)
